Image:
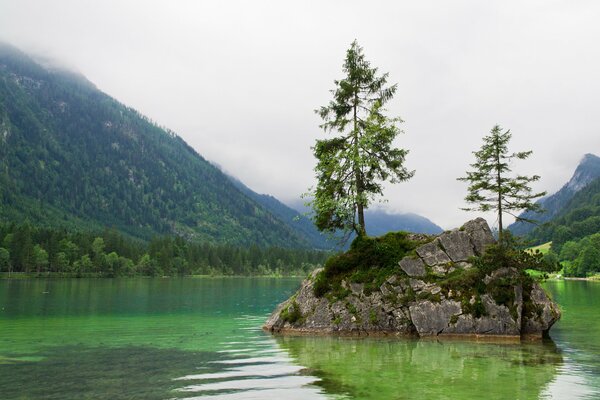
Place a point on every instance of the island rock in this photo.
(434, 292)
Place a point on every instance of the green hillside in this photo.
(586, 172)
(580, 217)
(73, 157)
(575, 232)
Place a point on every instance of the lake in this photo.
(200, 338)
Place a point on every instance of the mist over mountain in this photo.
(380, 222)
(74, 157)
(289, 216)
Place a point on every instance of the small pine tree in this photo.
(490, 187)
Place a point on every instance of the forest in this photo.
(574, 233)
(31, 250)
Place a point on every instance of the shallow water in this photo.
(201, 338)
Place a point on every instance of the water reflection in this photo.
(201, 339)
(409, 369)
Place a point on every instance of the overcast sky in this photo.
(239, 80)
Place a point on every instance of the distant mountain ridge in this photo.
(586, 172)
(289, 216)
(378, 222)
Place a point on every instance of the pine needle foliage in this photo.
(353, 165)
(491, 188)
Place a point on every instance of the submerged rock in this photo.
(432, 293)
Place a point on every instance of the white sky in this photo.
(239, 80)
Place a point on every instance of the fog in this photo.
(239, 80)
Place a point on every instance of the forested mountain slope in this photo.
(580, 217)
(74, 157)
(291, 217)
(587, 171)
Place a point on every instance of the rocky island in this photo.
(419, 285)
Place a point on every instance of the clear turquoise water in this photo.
(201, 338)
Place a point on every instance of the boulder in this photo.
(480, 234)
(457, 245)
(432, 318)
(540, 314)
(413, 267)
(432, 253)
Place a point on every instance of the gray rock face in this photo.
(415, 302)
(497, 320)
(457, 245)
(413, 266)
(480, 234)
(432, 318)
(542, 315)
(432, 253)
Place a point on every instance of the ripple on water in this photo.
(254, 368)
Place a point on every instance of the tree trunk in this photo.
(360, 208)
(499, 183)
(361, 220)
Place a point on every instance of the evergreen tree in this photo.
(490, 186)
(40, 258)
(4, 259)
(351, 167)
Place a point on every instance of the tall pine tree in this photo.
(353, 165)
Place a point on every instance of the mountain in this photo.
(73, 157)
(380, 222)
(578, 218)
(587, 171)
(289, 216)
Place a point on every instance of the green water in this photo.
(201, 338)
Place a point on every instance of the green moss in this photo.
(337, 320)
(372, 317)
(476, 309)
(502, 291)
(321, 285)
(454, 319)
(434, 298)
(292, 313)
(463, 280)
(369, 261)
(351, 308)
(408, 297)
(391, 298)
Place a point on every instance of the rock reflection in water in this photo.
(410, 369)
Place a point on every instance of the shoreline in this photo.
(595, 278)
(470, 337)
(60, 275)
(63, 275)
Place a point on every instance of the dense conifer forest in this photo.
(575, 232)
(33, 250)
